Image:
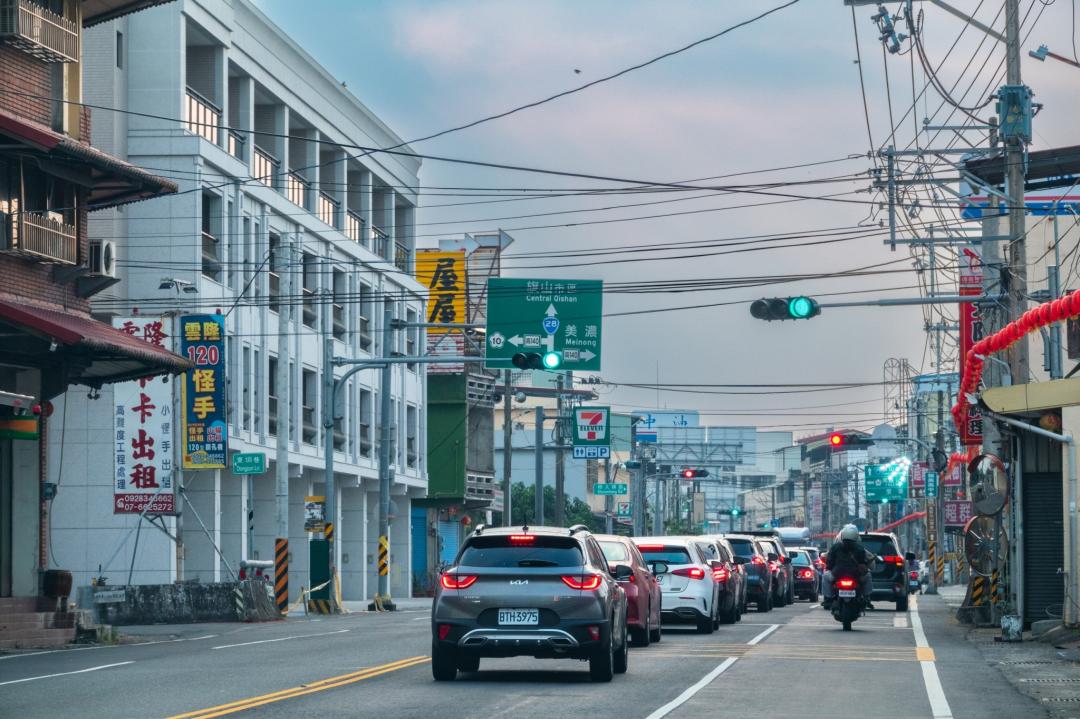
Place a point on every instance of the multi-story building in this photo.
(275, 192)
(50, 266)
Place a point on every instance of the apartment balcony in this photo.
(309, 314)
(43, 238)
(339, 322)
(379, 241)
(327, 209)
(265, 167)
(354, 226)
(296, 187)
(363, 326)
(203, 117)
(401, 257)
(308, 414)
(36, 31)
(235, 144)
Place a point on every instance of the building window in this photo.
(311, 284)
(119, 50)
(271, 391)
(277, 262)
(245, 400)
(310, 392)
(363, 321)
(367, 408)
(211, 236)
(412, 449)
(412, 336)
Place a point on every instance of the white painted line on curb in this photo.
(939, 705)
(707, 679)
(279, 639)
(64, 674)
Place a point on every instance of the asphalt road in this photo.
(792, 662)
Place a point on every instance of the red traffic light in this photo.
(836, 439)
(688, 474)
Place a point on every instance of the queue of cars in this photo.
(550, 592)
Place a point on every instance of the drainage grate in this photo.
(1062, 700)
(1028, 662)
(1043, 680)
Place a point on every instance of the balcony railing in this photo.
(39, 32)
(339, 321)
(354, 226)
(266, 167)
(309, 307)
(296, 187)
(328, 209)
(379, 240)
(236, 144)
(401, 257)
(203, 117)
(42, 237)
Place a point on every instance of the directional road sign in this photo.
(931, 484)
(249, 463)
(563, 316)
(602, 488)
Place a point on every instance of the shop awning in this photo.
(1034, 397)
(95, 12)
(74, 349)
(111, 181)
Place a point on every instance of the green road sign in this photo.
(931, 484)
(249, 463)
(887, 482)
(543, 317)
(609, 488)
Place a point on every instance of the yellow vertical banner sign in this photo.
(443, 274)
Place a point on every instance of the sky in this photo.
(782, 91)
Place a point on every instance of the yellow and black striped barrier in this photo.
(995, 587)
(328, 532)
(281, 575)
(978, 590)
(384, 555)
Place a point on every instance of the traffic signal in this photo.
(534, 360)
(734, 511)
(694, 473)
(785, 308)
(846, 440)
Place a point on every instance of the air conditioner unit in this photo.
(103, 257)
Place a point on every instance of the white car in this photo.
(689, 592)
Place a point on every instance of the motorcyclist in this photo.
(849, 558)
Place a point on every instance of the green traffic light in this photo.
(800, 308)
(552, 360)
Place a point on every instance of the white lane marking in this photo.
(900, 622)
(279, 639)
(108, 646)
(939, 705)
(64, 674)
(707, 679)
(420, 619)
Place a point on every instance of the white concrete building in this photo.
(263, 143)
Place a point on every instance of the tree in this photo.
(523, 506)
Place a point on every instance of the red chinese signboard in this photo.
(143, 433)
(971, 331)
(957, 512)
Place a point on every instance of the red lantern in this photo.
(1059, 309)
(1074, 303)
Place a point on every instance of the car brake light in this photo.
(806, 573)
(457, 581)
(773, 566)
(845, 583)
(444, 631)
(522, 538)
(914, 575)
(651, 547)
(720, 574)
(692, 572)
(894, 559)
(586, 582)
(757, 560)
(594, 632)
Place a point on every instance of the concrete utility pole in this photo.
(538, 482)
(508, 448)
(560, 459)
(386, 438)
(609, 500)
(284, 408)
(1014, 190)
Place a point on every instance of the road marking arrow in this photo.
(515, 340)
(551, 311)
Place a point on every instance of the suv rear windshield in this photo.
(498, 551)
(881, 546)
(667, 554)
(800, 558)
(744, 548)
(615, 551)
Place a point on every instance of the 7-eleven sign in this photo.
(592, 432)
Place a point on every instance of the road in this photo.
(793, 662)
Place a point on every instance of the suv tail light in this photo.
(773, 566)
(586, 582)
(720, 574)
(894, 559)
(757, 560)
(692, 572)
(806, 574)
(457, 581)
(845, 583)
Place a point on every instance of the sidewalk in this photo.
(1047, 674)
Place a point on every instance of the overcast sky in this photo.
(782, 91)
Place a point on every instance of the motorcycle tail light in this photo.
(845, 583)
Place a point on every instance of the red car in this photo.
(642, 590)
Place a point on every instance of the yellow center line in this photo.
(924, 654)
(302, 690)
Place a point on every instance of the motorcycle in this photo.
(914, 584)
(848, 604)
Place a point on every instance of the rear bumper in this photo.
(684, 606)
(568, 640)
(806, 586)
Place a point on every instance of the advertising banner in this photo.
(443, 273)
(971, 331)
(143, 432)
(957, 512)
(204, 430)
(592, 432)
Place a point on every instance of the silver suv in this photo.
(529, 591)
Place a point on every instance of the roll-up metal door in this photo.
(449, 540)
(1044, 551)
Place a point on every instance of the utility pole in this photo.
(1014, 190)
(538, 480)
(609, 500)
(283, 410)
(386, 438)
(657, 514)
(560, 460)
(508, 447)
